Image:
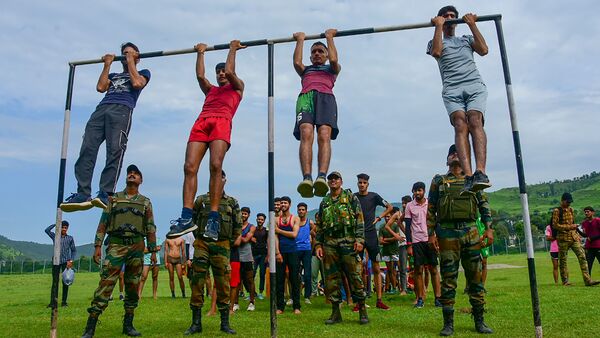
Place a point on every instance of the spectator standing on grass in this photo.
(155, 266)
(568, 238)
(591, 228)
(67, 255)
(259, 252)
(246, 259)
(303, 244)
(553, 252)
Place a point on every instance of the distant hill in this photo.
(22, 250)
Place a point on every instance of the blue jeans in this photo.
(304, 258)
(259, 262)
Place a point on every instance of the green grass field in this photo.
(566, 311)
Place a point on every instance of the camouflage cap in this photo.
(334, 174)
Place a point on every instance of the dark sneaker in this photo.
(181, 226)
(468, 188)
(420, 304)
(101, 200)
(438, 303)
(76, 202)
(320, 186)
(305, 188)
(480, 181)
(212, 228)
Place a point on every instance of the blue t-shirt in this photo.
(303, 238)
(457, 66)
(120, 90)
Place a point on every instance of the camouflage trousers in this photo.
(460, 246)
(563, 251)
(216, 256)
(338, 259)
(132, 256)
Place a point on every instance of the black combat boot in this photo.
(362, 313)
(196, 326)
(448, 328)
(128, 328)
(480, 325)
(225, 322)
(336, 315)
(90, 327)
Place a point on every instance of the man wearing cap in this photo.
(464, 92)
(368, 202)
(211, 253)
(591, 228)
(67, 254)
(110, 122)
(127, 220)
(211, 132)
(340, 237)
(452, 230)
(568, 238)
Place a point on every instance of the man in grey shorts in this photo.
(464, 92)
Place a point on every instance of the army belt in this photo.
(457, 225)
(125, 240)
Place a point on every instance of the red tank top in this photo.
(221, 102)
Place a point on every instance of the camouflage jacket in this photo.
(340, 219)
(105, 225)
(563, 225)
(231, 217)
(436, 193)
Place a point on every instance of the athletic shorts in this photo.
(317, 109)
(465, 98)
(207, 129)
(554, 255)
(424, 254)
(234, 282)
(392, 258)
(371, 247)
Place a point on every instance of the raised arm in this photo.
(298, 65)
(235, 81)
(478, 45)
(103, 81)
(138, 81)
(388, 225)
(49, 232)
(205, 85)
(332, 51)
(436, 42)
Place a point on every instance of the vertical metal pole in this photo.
(535, 301)
(59, 199)
(271, 159)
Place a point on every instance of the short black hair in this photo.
(246, 209)
(260, 214)
(277, 199)
(589, 209)
(363, 176)
(64, 224)
(220, 65)
(406, 199)
(448, 8)
(395, 209)
(567, 197)
(286, 198)
(418, 185)
(302, 204)
(129, 44)
(319, 43)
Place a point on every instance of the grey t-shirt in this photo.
(457, 66)
(246, 248)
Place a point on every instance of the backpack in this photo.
(452, 206)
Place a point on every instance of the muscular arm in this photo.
(298, 65)
(249, 235)
(478, 45)
(388, 226)
(436, 43)
(332, 51)
(138, 81)
(50, 233)
(235, 81)
(295, 228)
(484, 210)
(150, 228)
(203, 82)
(182, 249)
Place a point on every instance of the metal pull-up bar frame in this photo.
(497, 18)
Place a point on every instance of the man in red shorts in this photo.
(211, 131)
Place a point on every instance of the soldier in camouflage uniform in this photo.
(215, 254)
(126, 221)
(568, 238)
(451, 223)
(340, 236)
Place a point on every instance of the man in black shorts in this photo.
(369, 202)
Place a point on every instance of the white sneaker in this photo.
(251, 307)
(307, 301)
(236, 307)
(289, 302)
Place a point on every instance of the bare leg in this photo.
(418, 277)
(478, 138)
(324, 142)
(218, 148)
(461, 140)
(180, 277)
(194, 153)
(377, 279)
(143, 280)
(307, 136)
(484, 270)
(389, 284)
(155, 270)
(555, 270)
(171, 278)
(213, 303)
(435, 280)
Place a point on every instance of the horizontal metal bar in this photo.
(261, 42)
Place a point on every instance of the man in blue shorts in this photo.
(464, 92)
(110, 122)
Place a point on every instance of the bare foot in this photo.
(279, 312)
(297, 311)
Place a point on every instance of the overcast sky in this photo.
(392, 122)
